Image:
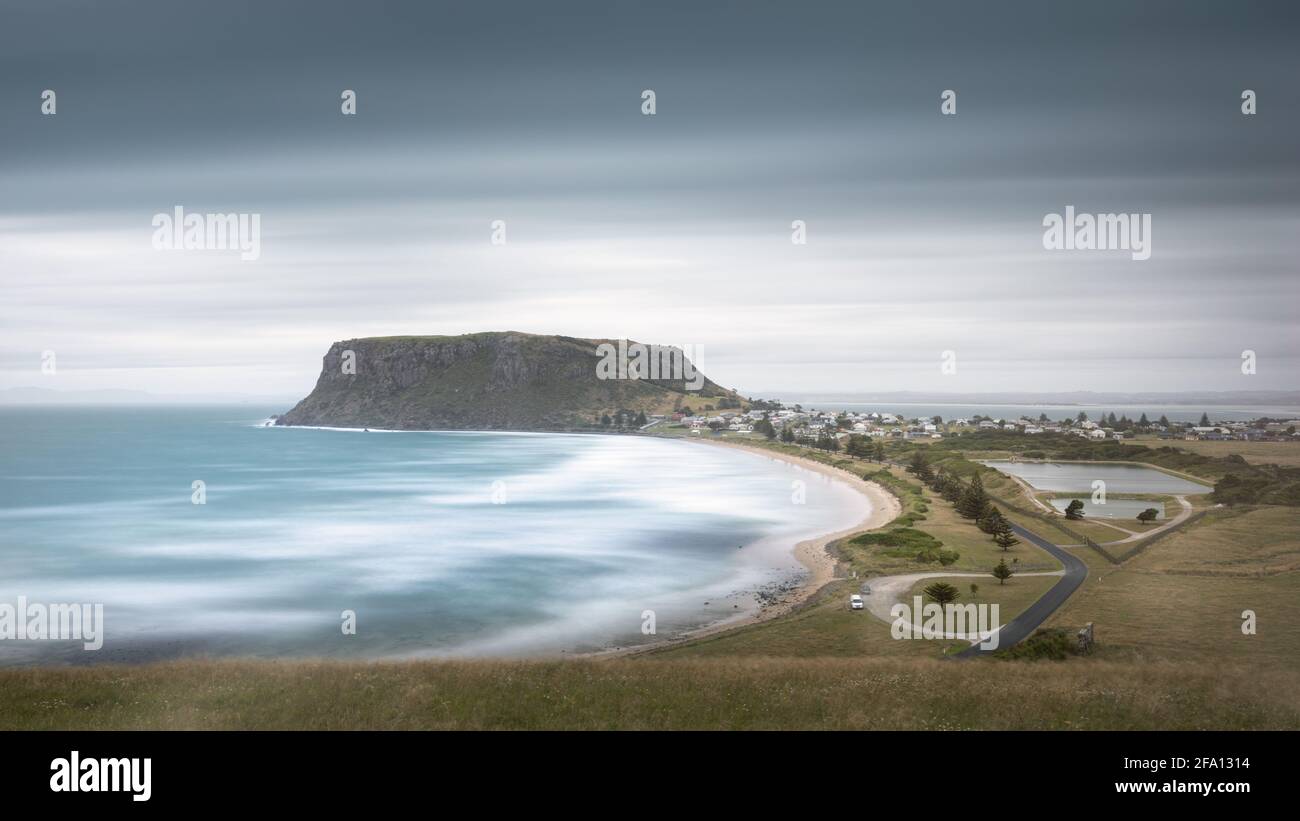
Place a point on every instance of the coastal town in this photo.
(797, 424)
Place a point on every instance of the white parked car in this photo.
(855, 602)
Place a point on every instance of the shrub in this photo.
(1054, 644)
(905, 543)
(899, 537)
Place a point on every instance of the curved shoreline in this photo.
(810, 552)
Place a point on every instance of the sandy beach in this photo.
(811, 553)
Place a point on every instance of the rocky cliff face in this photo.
(487, 381)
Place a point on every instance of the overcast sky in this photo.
(924, 230)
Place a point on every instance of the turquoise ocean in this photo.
(440, 543)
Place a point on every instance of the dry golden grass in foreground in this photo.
(918, 694)
(1183, 599)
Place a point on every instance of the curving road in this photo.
(885, 591)
(1019, 628)
(1027, 622)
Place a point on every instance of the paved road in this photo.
(1174, 522)
(1019, 628)
(1027, 622)
(884, 592)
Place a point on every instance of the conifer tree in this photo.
(974, 501)
(1002, 572)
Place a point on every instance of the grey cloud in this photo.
(925, 231)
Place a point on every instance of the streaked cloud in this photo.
(924, 231)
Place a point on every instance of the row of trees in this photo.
(623, 418)
(864, 447)
(970, 500)
(1104, 419)
(826, 440)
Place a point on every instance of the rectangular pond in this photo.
(1077, 477)
(1113, 509)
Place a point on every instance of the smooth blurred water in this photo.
(301, 524)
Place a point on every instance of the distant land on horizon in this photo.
(34, 395)
(1210, 398)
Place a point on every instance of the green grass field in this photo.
(826, 627)
(652, 694)
(1257, 453)
(1183, 597)
(1012, 598)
